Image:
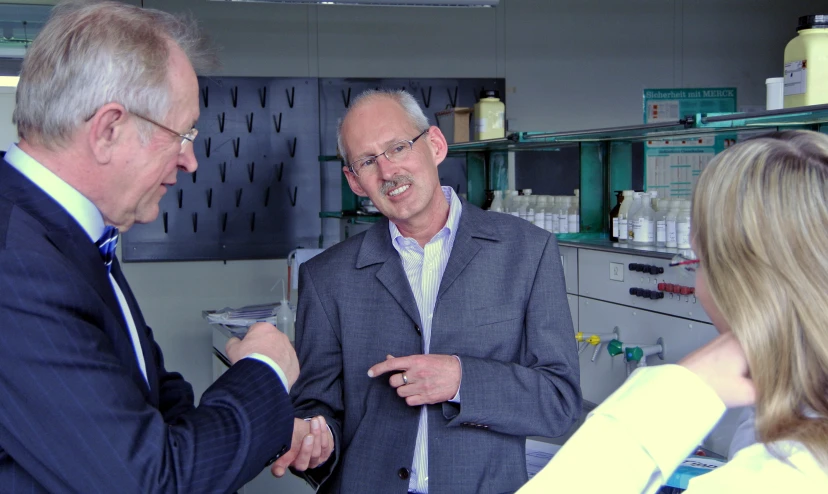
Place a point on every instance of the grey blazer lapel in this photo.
(376, 248)
(472, 226)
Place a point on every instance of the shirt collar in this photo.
(76, 204)
(455, 208)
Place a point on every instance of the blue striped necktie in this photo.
(106, 245)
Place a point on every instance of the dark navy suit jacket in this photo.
(76, 414)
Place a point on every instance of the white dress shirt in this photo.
(634, 441)
(84, 212)
(424, 268)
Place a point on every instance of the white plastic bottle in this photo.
(642, 221)
(683, 226)
(284, 316)
(563, 215)
(574, 215)
(497, 202)
(540, 212)
(549, 218)
(623, 216)
(670, 223)
(661, 222)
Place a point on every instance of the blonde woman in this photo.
(760, 223)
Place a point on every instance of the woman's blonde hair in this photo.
(760, 223)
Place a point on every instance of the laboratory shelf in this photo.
(601, 241)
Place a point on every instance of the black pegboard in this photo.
(259, 186)
(256, 192)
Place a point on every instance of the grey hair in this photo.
(91, 53)
(402, 97)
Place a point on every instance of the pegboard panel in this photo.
(256, 192)
(259, 186)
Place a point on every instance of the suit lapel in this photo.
(72, 242)
(472, 226)
(141, 329)
(376, 248)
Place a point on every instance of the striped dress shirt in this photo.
(424, 268)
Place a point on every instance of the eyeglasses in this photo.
(185, 138)
(686, 259)
(395, 153)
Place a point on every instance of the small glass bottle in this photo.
(670, 224)
(574, 214)
(497, 202)
(683, 226)
(623, 216)
(540, 211)
(661, 222)
(636, 206)
(642, 221)
(563, 215)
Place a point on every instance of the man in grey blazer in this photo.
(434, 343)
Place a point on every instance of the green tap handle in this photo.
(634, 354)
(615, 347)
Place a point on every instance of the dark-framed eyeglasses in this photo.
(395, 153)
(185, 138)
(685, 259)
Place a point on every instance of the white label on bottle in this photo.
(642, 231)
(615, 227)
(683, 235)
(796, 73)
(563, 224)
(498, 121)
(481, 125)
(661, 231)
(577, 224)
(622, 229)
(547, 222)
(572, 220)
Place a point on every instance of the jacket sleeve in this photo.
(637, 437)
(318, 391)
(75, 420)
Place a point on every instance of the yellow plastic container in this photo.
(489, 116)
(806, 63)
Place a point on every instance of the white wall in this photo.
(568, 64)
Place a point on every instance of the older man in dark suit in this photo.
(106, 105)
(436, 341)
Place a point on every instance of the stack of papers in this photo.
(538, 454)
(244, 316)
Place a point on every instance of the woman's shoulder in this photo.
(784, 466)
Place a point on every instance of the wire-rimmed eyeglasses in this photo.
(686, 259)
(395, 153)
(185, 138)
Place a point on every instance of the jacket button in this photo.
(403, 473)
(416, 328)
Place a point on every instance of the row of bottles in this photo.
(640, 218)
(555, 214)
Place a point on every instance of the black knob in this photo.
(635, 267)
(645, 293)
(652, 269)
(633, 291)
(655, 295)
(660, 270)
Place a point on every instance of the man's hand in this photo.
(723, 366)
(424, 380)
(311, 446)
(265, 339)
